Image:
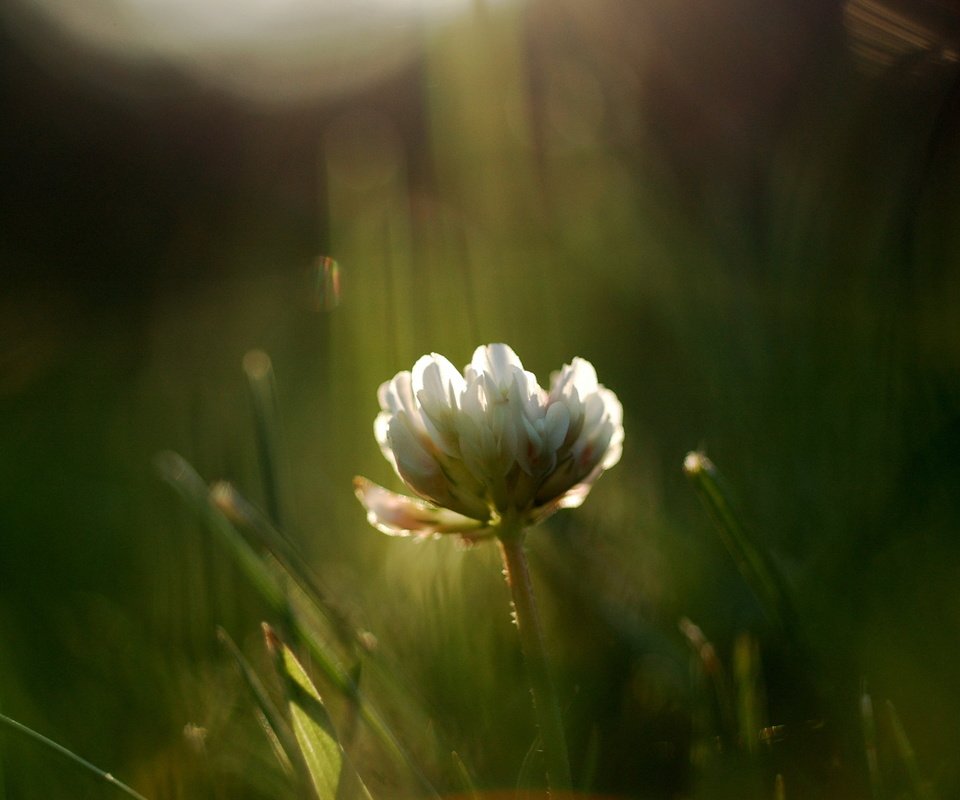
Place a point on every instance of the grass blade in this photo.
(31, 734)
(779, 788)
(311, 724)
(754, 562)
(266, 414)
(275, 726)
(919, 788)
(177, 472)
(750, 694)
(531, 769)
(869, 724)
(711, 669)
(466, 779)
(243, 513)
(191, 487)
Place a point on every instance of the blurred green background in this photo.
(744, 213)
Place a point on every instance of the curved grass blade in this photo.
(869, 725)
(266, 414)
(710, 667)
(242, 512)
(531, 769)
(190, 486)
(275, 727)
(358, 642)
(779, 788)
(311, 724)
(748, 677)
(754, 562)
(919, 788)
(177, 472)
(31, 734)
(466, 779)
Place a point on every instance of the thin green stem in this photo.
(58, 748)
(545, 701)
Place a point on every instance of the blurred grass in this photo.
(753, 242)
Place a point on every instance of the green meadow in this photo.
(745, 215)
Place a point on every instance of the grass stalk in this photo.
(33, 735)
(546, 705)
(191, 487)
(752, 559)
(266, 414)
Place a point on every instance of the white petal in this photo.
(381, 427)
(601, 439)
(590, 451)
(436, 376)
(397, 394)
(399, 515)
(584, 376)
(496, 360)
(615, 414)
(529, 448)
(572, 498)
(438, 386)
(411, 458)
(578, 375)
(534, 398)
(555, 425)
(594, 413)
(478, 448)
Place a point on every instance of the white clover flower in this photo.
(489, 447)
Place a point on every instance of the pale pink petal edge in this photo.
(399, 515)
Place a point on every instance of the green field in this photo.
(746, 215)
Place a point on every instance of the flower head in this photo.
(489, 444)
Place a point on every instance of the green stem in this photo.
(23, 730)
(545, 701)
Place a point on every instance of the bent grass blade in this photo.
(311, 723)
(243, 513)
(275, 727)
(190, 486)
(312, 727)
(752, 559)
(919, 788)
(29, 733)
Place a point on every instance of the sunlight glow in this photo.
(269, 50)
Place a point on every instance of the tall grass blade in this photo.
(266, 416)
(466, 779)
(275, 727)
(531, 769)
(919, 788)
(177, 472)
(869, 724)
(779, 788)
(28, 733)
(311, 724)
(190, 486)
(3, 782)
(243, 513)
(750, 691)
(708, 665)
(370, 715)
(752, 559)
(358, 642)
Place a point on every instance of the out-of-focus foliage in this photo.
(743, 213)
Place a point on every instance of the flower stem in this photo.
(545, 701)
